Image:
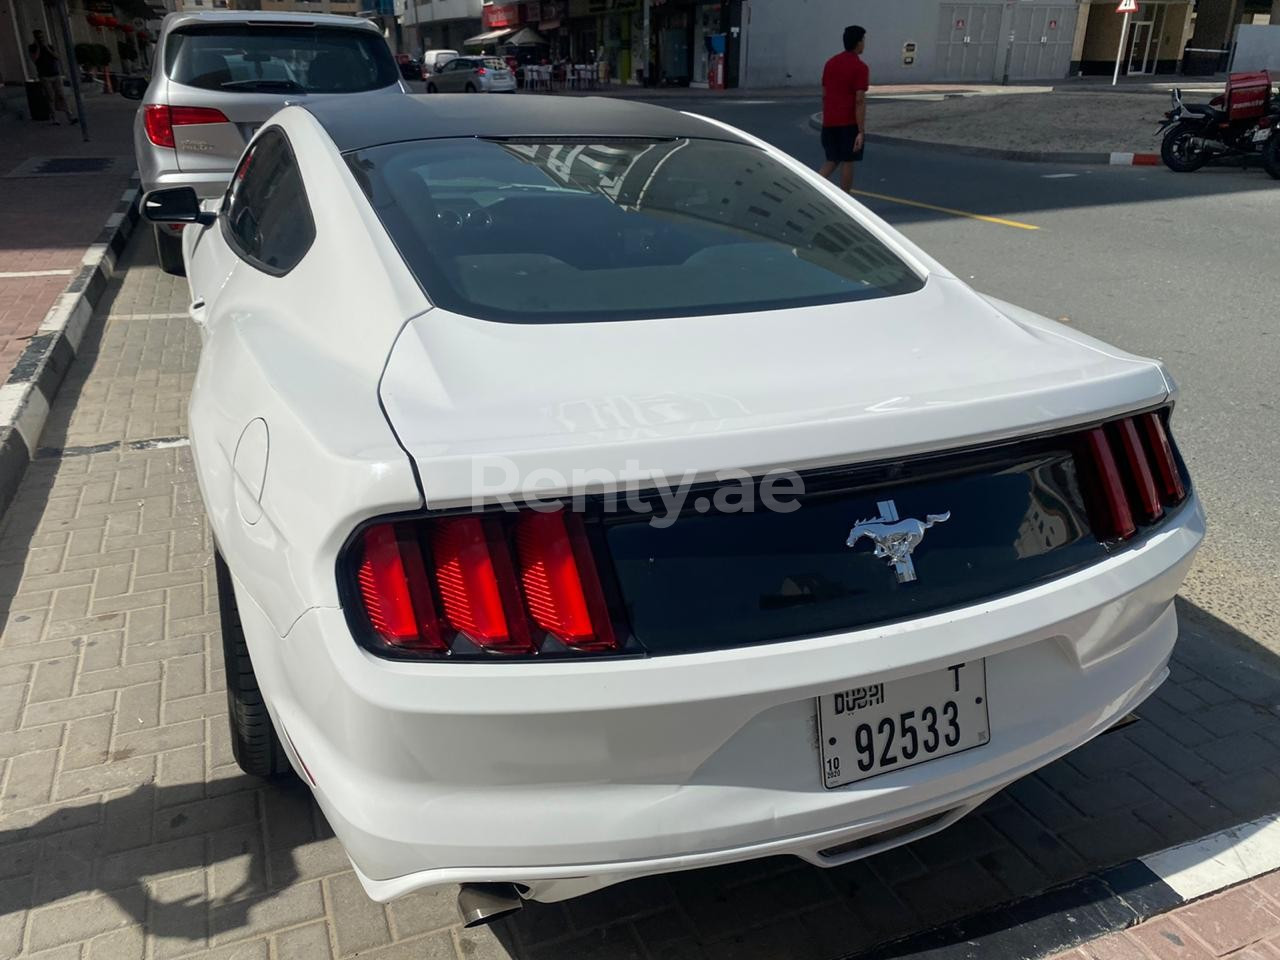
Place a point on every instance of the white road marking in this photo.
(1057, 176)
(1221, 859)
(23, 274)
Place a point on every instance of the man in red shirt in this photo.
(845, 79)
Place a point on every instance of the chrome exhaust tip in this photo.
(483, 903)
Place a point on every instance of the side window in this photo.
(267, 220)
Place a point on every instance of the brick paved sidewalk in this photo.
(1242, 923)
(127, 832)
(49, 221)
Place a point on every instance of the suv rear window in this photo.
(539, 232)
(286, 59)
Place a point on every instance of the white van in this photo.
(433, 60)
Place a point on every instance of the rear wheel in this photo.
(254, 742)
(471, 88)
(1176, 150)
(1271, 156)
(169, 252)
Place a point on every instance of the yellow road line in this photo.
(1000, 221)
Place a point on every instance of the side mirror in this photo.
(175, 205)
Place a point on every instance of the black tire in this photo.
(471, 88)
(169, 252)
(431, 88)
(1175, 153)
(254, 742)
(1271, 156)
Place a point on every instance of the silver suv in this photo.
(219, 76)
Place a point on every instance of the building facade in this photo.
(439, 24)
(785, 42)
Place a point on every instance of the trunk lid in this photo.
(515, 409)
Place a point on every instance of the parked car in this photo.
(220, 75)
(473, 75)
(493, 407)
(410, 67)
(434, 60)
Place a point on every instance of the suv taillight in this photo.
(480, 584)
(159, 120)
(1130, 474)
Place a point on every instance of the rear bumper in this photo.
(568, 776)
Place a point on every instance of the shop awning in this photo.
(480, 39)
(528, 37)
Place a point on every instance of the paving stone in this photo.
(29, 781)
(359, 923)
(129, 943)
(83, 919)
(310, 942)
(1230, 920)
(1166, 940)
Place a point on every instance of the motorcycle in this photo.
(1237, 123)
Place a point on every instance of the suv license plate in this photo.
(876, 728)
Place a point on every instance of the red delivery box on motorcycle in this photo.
(1247, 95)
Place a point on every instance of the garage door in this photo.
(1042, 40)
(969, 41)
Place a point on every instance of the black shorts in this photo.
(837, 143)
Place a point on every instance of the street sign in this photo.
(1127, 6)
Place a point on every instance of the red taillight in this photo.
(1172, 490)
(468, 569)
(1112, 518)
(159, 120)
(394, 587)
(1130, 473)
(481, 71)
(552, 578)
(452, 586)
(1143, 485)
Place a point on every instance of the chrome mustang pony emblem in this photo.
(894, 538)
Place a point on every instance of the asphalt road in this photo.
(1178, 266)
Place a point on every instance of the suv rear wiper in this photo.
(293, 86)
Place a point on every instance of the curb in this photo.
(1115, 158)
(1100, 903)
(25, 398)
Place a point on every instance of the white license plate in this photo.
(1260, 135)
(870, 729)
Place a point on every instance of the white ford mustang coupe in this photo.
(598, 493)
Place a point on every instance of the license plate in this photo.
(1260, 135)
(877, 728)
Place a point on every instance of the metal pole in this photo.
(73, 68)
(645, 39)
(1124, 33)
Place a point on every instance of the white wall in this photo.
(442, 10)
(788, 41)
(1257, 48)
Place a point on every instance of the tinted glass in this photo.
(267, 219)
(544, 232)
(286, 59)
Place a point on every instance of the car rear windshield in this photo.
(288, 59)
(532, 231)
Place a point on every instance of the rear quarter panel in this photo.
(303, 353)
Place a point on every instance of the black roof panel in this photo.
(358, 122)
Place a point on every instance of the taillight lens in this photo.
(494, 584)
(395, 590)
(1172, 489)
(159, 120)
(552, 575)
(481, 71)
(1130, 475)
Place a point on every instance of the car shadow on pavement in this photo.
(1205, 755)
(188, 871)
